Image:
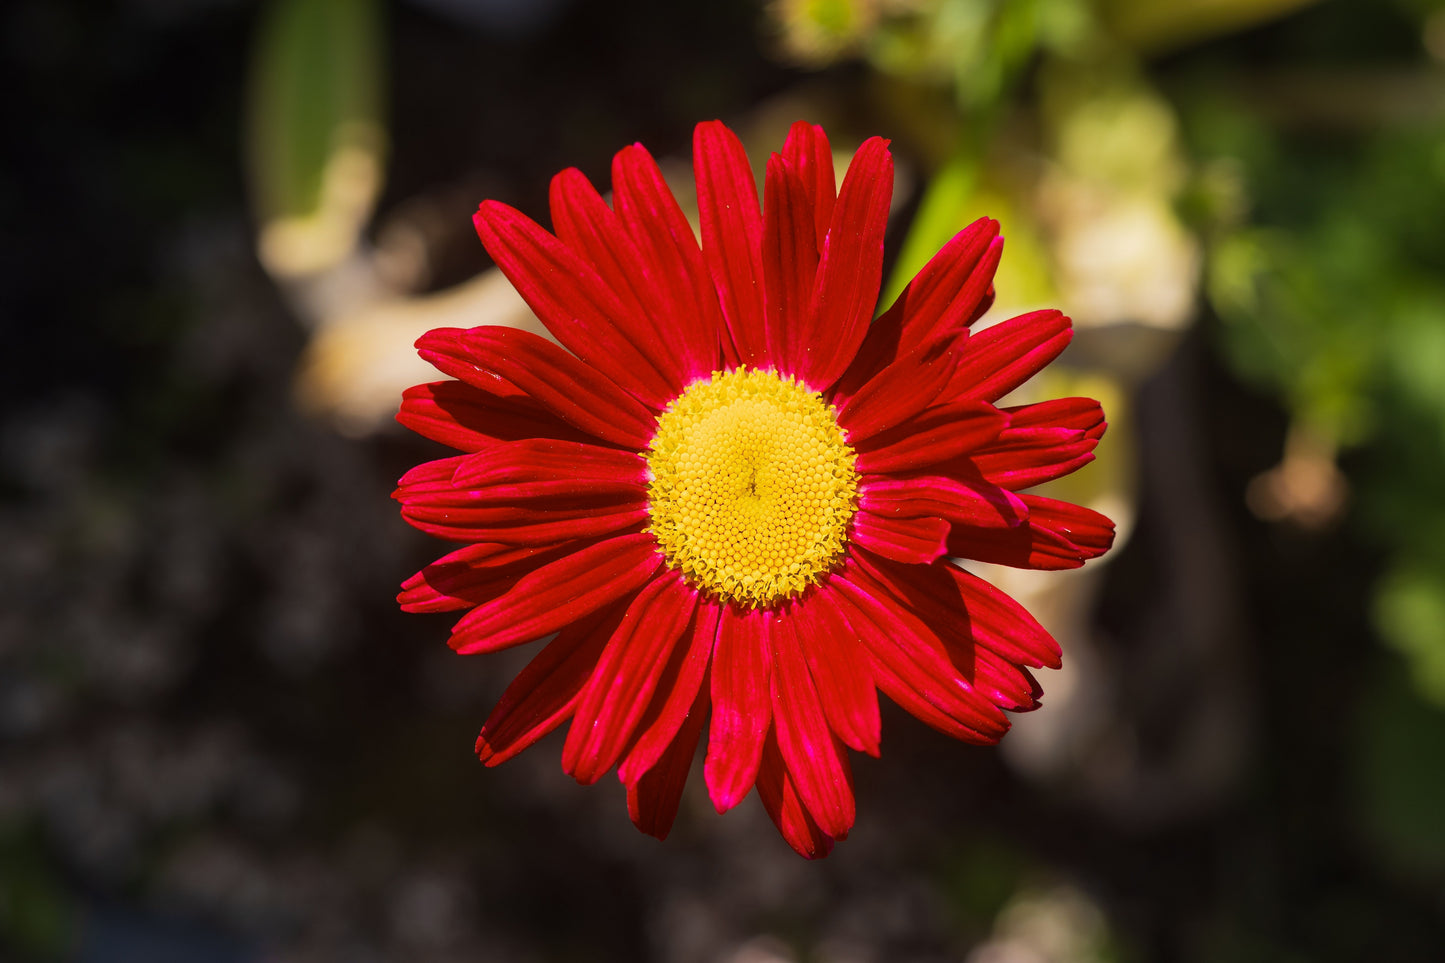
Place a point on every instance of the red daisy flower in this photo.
(732, 494)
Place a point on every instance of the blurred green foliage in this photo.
(1333, 296)
(1312, 181)
(36, 916)
(317, 84)
(315, 132)
(1400, 782)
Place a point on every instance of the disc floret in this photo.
(753, 485)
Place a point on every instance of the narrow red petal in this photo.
(1092, 532)
(897, 393)
(1057, 535)
(1022, 547)
(732, 236)
(544, 694)
(585, 223)
(939, 303)
(741, 705)
(652, 800)
(1043, 441)
(524, 525)
(547, 468)
(1076, 414)
(473, 574)
(911, 665)
(463, 484)
(947, 292)
(878, 351)
(433, 502)
(998, 621)
(809, 155)
(779, 795)
(974, 630)
(997, 360)
(429, 475)
(1005, 684)
(840, 671)
(676, 693)
(692, 322)
(987, 635)
(958, 501)
(569, 297)
(1035, 466)
(917, 540)
(559, 594)
(850, 269)
(930, 437)
(618, 694)
(566, 386)
(803, 735)
(790, 266)
(468, 419)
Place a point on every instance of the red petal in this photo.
(945, 295)
(956, 603)
(790, 266)
(473, 575)
(652, 800)
(938, 303)
(468, 419)
(585, 223)
(954, 500)
(780, 798)
(741, 706)
(732, 235)
(676, 694)
(807, 152)
(999, 622)
(986, 633)
(998, 359)
(432, 502)
(429, 475)
(570, 298)
(1057, 535)
(1034, 466)
(803, 735)
(896, 394)
(935, 435)
(559, 594)
(1005, 684)
(911, 665)
(1042, 442)
(692, 322)
(850, 270)
(569, 388)
(878, 351)
(544, 694)
(525, 525)
(840, 671)
(618, 694)
(918, 540)
(547, 468)
(1074, 414)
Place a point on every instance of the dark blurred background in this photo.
(221, 226)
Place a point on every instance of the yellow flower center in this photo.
(752, 486)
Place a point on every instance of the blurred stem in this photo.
(316, 141)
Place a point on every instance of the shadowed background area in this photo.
(224, 224)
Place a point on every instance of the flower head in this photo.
(735, 496)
